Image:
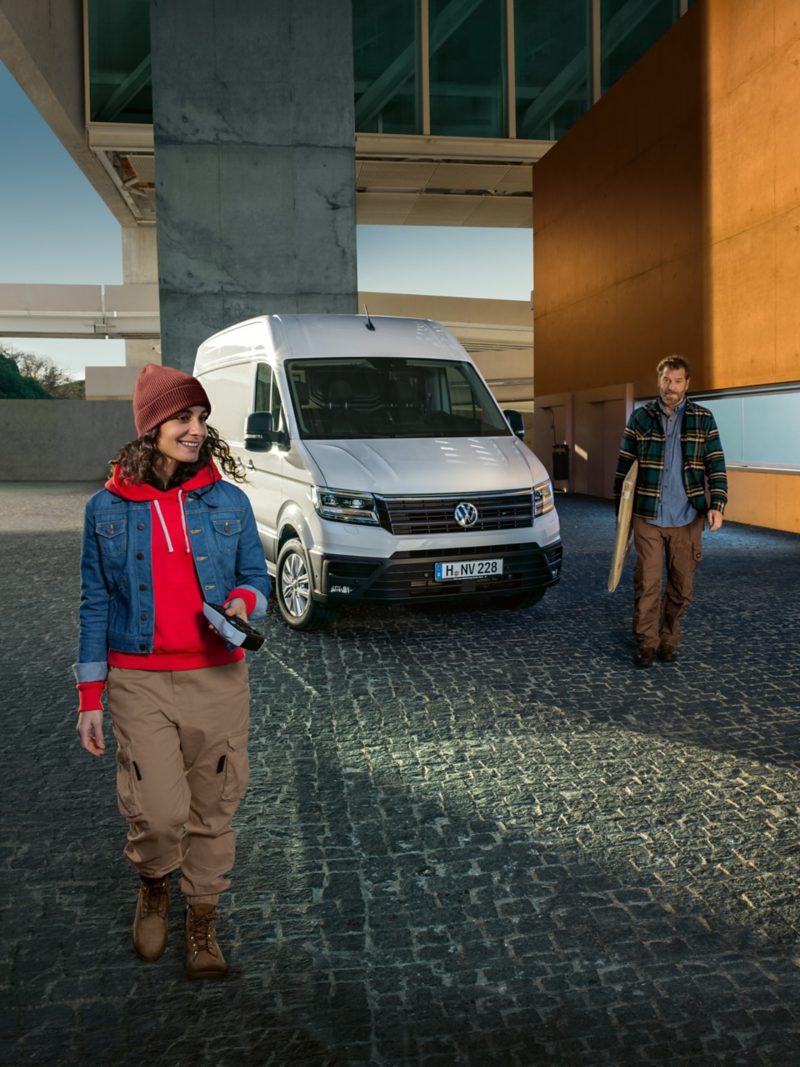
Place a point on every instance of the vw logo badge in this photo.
(466, 515)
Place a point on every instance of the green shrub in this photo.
(14, 387)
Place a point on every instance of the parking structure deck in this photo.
(471, 837)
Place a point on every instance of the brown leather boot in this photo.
(203, 955)
(150, 925)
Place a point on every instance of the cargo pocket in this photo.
(697, 542)
(127, 776)
(234, 768)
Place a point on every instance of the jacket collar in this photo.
(653, 408)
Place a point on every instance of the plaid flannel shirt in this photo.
(644, 440)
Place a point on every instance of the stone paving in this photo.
(471, 837)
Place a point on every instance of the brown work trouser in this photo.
(181, 770)
(684, 550)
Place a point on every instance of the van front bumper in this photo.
(410, 576)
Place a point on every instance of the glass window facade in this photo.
(552, 50)
(120, 86)
(387, 63)
(467, 62)
(628, 28)
(468, 68)
(758, 429)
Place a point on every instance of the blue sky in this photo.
(56, 229)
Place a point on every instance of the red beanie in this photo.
(161, 392)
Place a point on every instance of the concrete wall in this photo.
(255, 163)
(62, 440)
(668, 220)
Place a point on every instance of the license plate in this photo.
(468, 568)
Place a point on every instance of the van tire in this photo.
(293, 590)
(519, 601)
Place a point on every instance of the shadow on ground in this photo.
(471, 837)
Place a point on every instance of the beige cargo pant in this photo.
(657, 622)
(181, 770)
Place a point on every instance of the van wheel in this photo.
(519, 601)
(293, 590)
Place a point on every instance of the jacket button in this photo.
(140, 555)
(140, 526)
(143, 648)
(143, 616)
(142, 587)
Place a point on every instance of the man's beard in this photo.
(671, 402)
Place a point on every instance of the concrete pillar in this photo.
(140, 267)
(255, 163)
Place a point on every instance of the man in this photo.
(678, 447)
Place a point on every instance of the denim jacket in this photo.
(117, 602)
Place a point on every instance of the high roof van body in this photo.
(380, 467)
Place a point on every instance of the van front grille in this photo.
(420, 515)
(412, 575)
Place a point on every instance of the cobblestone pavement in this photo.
(471, 837)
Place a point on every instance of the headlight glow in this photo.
(339, 505)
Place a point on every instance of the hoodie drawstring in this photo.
(163, 525)
(183, 523)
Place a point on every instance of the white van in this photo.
(379, 465)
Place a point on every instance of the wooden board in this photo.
(624, 537)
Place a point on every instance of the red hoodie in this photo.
(182, 640)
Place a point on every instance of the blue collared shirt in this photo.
(674, 506)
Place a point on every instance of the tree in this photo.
(55, 381)
(15, 386)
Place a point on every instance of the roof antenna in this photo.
(369, 320)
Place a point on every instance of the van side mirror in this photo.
(259, 435)
(516, 422)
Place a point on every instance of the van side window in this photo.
(263, 382)
(268, 397)
(275, 404)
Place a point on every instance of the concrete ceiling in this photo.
(400, 181)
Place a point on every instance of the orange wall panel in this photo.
(787, 141)
(668, 218)
(764, 499)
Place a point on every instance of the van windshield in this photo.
(391, 397)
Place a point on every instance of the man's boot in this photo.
(644, 658)
(203, 955)
(150, 928)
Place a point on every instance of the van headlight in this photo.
(543, 498)
(338, 505)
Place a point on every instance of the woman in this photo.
(165, 535)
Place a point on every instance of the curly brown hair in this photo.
(136, 460)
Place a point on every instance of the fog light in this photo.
(341, 589)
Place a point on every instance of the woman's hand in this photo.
(235, 607)
(90, 731)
